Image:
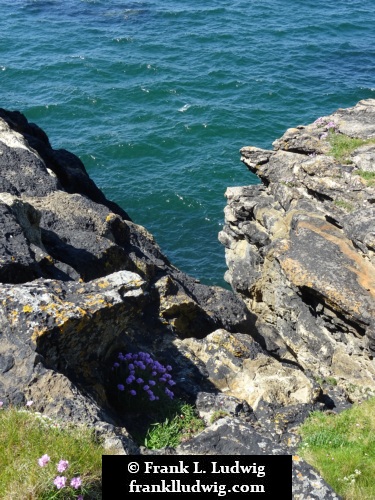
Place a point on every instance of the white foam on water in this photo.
(184, 108)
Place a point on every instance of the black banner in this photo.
(264, 476)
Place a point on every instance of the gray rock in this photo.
(364, 158)
(230, 436)
(239, 367)
(307, 483)
(300, 249)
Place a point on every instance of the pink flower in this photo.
(1, 403)
(29, 403)
(62, 465)
(59, 482)
(43, 461)
(76, 482)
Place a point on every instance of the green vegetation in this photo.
(26, 437)
(369, 177)
(330, 380)
(180, 426)
(326, 380)
(33, 446)
(167, 425)
(344, 204)
(142, 394)
(218, 414)
(288, 184)
(342, 145)
(342, 448)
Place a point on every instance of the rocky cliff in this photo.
(300, 247)
(80, 282)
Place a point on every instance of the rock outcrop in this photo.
(80, 282)
(300, 247)
(71, 260)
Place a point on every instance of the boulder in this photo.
(231, 436)
(238, 366)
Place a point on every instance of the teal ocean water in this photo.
(158, 96)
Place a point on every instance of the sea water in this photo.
(157, 96)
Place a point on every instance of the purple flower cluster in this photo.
(142, 376)
(326, 125)
(330, 125)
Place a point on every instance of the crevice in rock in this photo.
(272, 349)
(263, 179)
(318, 196)
(319, 308)
(333, 221)
(301, 152)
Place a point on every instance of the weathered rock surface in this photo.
(233, 436)
(300, 248)
(237, 365)
(57, 224)
(80, 281)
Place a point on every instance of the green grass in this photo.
(330, 380)
(326, 380)
(180, 426)
(342, 145)
(25, 438)
(342, 448)
(369, 177)
(217, 415)
(349, 207)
